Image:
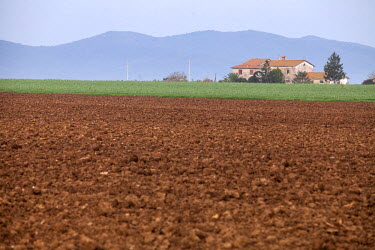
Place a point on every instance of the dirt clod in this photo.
(131, 201)
(36, 190)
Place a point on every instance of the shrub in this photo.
(301, 77)
(368, 82)
(231, 77)
(176, 77)
(206, 80)
(275, 76)
(257, 77)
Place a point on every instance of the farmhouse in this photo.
(318, 78)
(288, 67)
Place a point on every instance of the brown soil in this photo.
(143, 173)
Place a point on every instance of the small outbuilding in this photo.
(318, 78)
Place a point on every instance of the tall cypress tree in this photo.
(333, 69)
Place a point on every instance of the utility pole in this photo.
(189, 72)
(127, 70)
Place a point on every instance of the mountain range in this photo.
(105, 56)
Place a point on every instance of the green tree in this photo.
(301, 77)
(253, 79)
(231, 77)
(241, 79)
(333, 69)
(256, 78)
(266, 71)
(275, 76)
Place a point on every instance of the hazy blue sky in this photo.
(50, 22)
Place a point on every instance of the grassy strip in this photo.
(306, 92)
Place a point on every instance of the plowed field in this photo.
(110, 172)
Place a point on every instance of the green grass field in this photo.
(306, 92)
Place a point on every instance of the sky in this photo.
(53, 22)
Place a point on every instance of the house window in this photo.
(321, 81)
(287, 71)
(251, 72)
(240, 71)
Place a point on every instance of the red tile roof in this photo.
(258, 63)
(316, 75)
(251, 64)
(287, 63)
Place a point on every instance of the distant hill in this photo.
(103, 57)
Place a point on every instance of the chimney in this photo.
(283, 57)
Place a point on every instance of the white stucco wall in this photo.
(245, 72)
(344, 81)
(289, 76)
